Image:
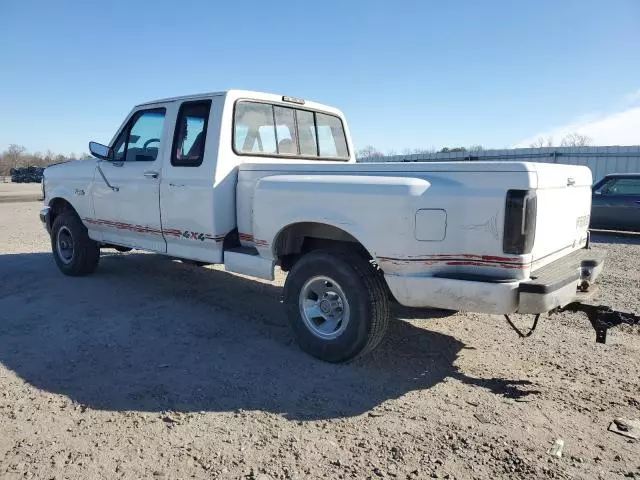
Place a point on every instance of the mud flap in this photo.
(602, 318)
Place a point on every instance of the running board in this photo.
(247, 261)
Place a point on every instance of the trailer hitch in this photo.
(602, 318)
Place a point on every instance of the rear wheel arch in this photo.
(296, 239)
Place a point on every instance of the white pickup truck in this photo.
(255, 181)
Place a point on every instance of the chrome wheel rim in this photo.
(324, 307)
(64, 244)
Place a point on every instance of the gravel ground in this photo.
(19, 192)
(155, 369)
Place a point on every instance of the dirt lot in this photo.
(154, 369)
(19, 192)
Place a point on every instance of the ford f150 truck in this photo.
(255, 181)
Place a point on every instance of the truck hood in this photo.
(71, 169)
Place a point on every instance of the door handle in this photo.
(150, 174)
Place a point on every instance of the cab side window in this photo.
(190, 134)
(139, 141)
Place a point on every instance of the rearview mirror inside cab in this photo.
(100, 151)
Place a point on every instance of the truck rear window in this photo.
(275, 130)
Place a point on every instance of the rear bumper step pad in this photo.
(579, 265)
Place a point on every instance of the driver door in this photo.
(126, 193)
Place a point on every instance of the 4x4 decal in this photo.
(193, 235)
(173, 232)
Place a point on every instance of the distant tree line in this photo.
(18, 156)
(370, 153)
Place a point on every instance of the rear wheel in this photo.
(336, 304)
(74, 252)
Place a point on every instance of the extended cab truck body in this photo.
(255, 180)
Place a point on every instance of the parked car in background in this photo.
(615, 203)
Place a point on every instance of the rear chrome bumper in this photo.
(555, 285)
(45, 218)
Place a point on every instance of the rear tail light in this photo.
(519, 222)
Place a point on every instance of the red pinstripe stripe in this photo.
(174, 232)
(466, 257)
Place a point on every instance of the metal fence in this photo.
(601, 160)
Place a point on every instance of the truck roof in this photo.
(249, 94)
(183, 98)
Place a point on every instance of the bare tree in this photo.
(541, 142)
(576, 140)
(18, 156)
(12, 155)
(475, 148)
(417, 151)
(569, 140)
(368, 154)
(452, 150)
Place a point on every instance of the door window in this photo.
(621, 186)
(190, 134)
(140, 139)
(625, 186)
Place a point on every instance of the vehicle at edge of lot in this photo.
(615, 204)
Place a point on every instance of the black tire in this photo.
(85, 253)
(366, 296)
(120, 249)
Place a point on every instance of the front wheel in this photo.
(74, 252)
(337, 305)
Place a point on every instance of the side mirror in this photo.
(100, 151)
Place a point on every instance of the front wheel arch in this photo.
(59, 205)
(76, 254)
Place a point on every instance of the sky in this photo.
(407, 74)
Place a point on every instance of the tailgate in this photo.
(563, 208)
